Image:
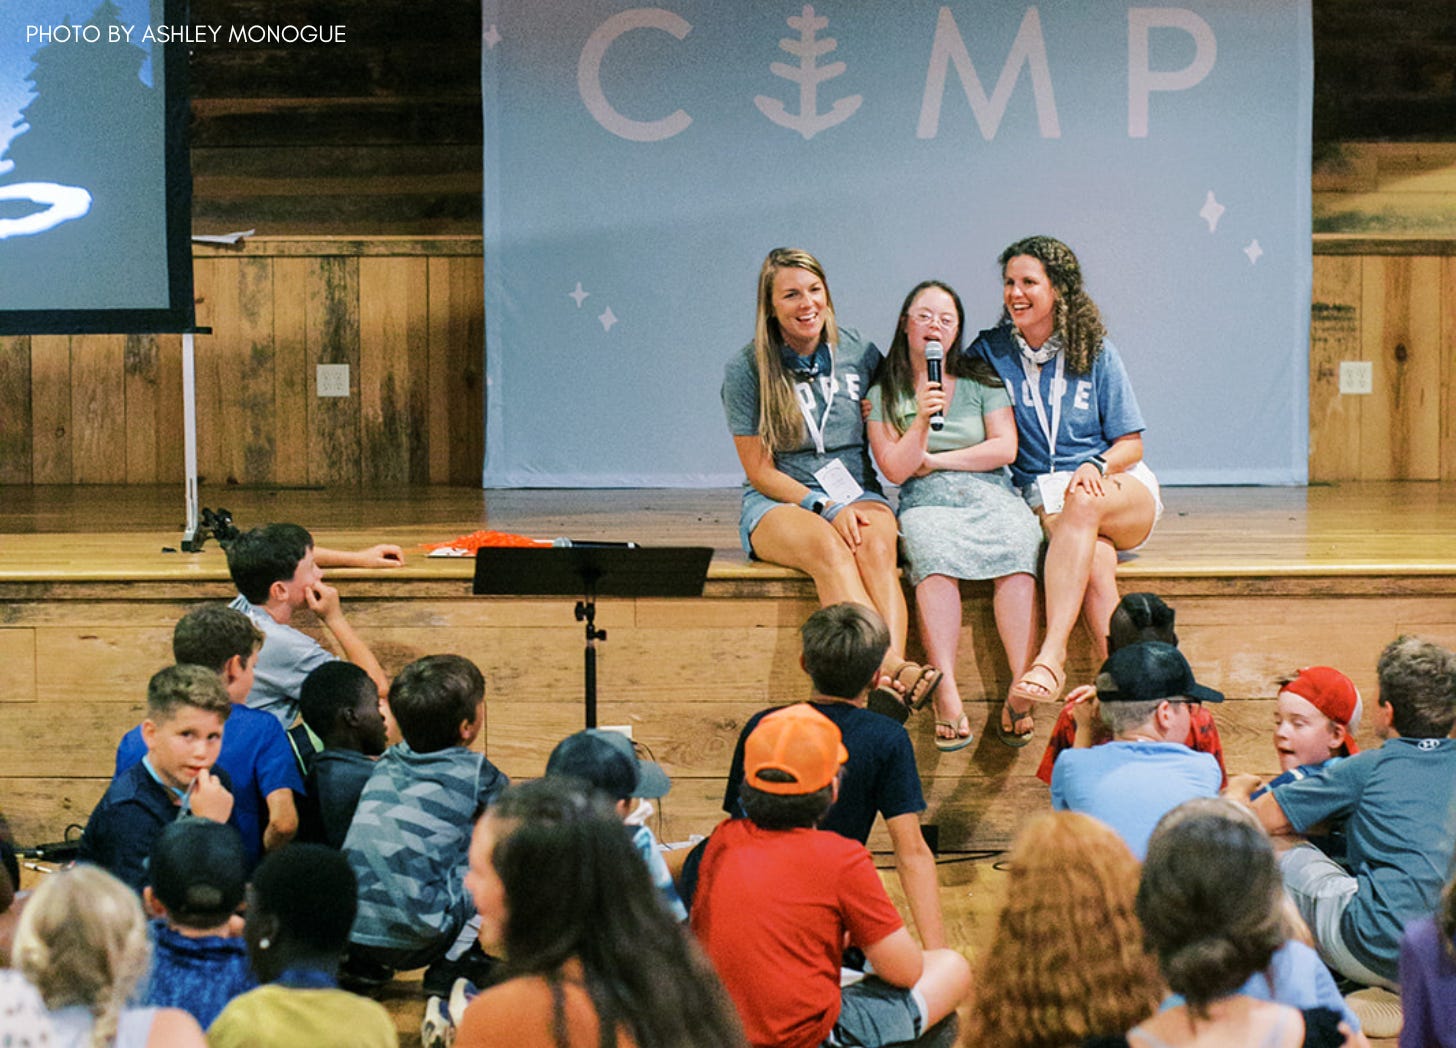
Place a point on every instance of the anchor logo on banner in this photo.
(808, 121)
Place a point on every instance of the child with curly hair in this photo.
(1066, 959)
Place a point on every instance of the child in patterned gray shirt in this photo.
(410, 836)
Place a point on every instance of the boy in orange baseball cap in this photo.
(776, 898)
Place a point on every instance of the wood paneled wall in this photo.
(383, 133)
(1382, 69)
(406, 315)
(1390, 188)
(1391, 302)
(686, 674)
(378, 135)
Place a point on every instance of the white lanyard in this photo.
(804, 394)
(1033, 382)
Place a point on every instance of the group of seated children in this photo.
(1396, 804)
(1365, 840)
(82, 948)
(245, 666)
(209, 784)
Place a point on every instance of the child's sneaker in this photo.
(437, 1030)
(474, 964)
(461, 994)
(1378, 1011)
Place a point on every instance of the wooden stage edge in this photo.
(1264, 580)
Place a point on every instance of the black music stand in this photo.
(591, 571)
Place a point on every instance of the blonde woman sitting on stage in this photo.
(812, 501)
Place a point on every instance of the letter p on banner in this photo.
(1141, 80)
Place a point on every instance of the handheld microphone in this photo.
(934, 354)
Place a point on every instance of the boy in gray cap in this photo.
(608, 761)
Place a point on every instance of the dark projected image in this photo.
(84, 217)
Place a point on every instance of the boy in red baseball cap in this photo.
(1316, 719)
(1315, 722)
(1319, 712)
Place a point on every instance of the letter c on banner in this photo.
(589, 75)
(1142, 81)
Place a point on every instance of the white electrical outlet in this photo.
(333, 380)
(620, 729)
(1357, 377)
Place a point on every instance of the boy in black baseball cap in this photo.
(196, 879)
(1145, 694)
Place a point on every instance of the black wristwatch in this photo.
(820, 505)
(1100, 463)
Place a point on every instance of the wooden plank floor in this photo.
(1393, 528)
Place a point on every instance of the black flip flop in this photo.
(1012, 738)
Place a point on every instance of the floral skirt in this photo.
(967, 526)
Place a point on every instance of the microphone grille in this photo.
(934, 351)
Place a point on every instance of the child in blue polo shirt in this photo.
(186, 709)
(255, 751)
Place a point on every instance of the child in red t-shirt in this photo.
(776, 899)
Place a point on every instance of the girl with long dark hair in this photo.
(947, 443)
(593, 957)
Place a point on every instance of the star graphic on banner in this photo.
(578, 294)
(1212, 211)
(491, 36)
(1254, 251)
(608, 318)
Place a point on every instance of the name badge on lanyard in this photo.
(833, 477)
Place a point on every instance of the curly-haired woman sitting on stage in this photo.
(1079, 462)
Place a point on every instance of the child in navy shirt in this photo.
(340, 705)
(186, 709)
(255, 751)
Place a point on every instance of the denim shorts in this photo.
(874, 1013)
(756, 505)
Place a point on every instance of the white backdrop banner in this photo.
(641, 161)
